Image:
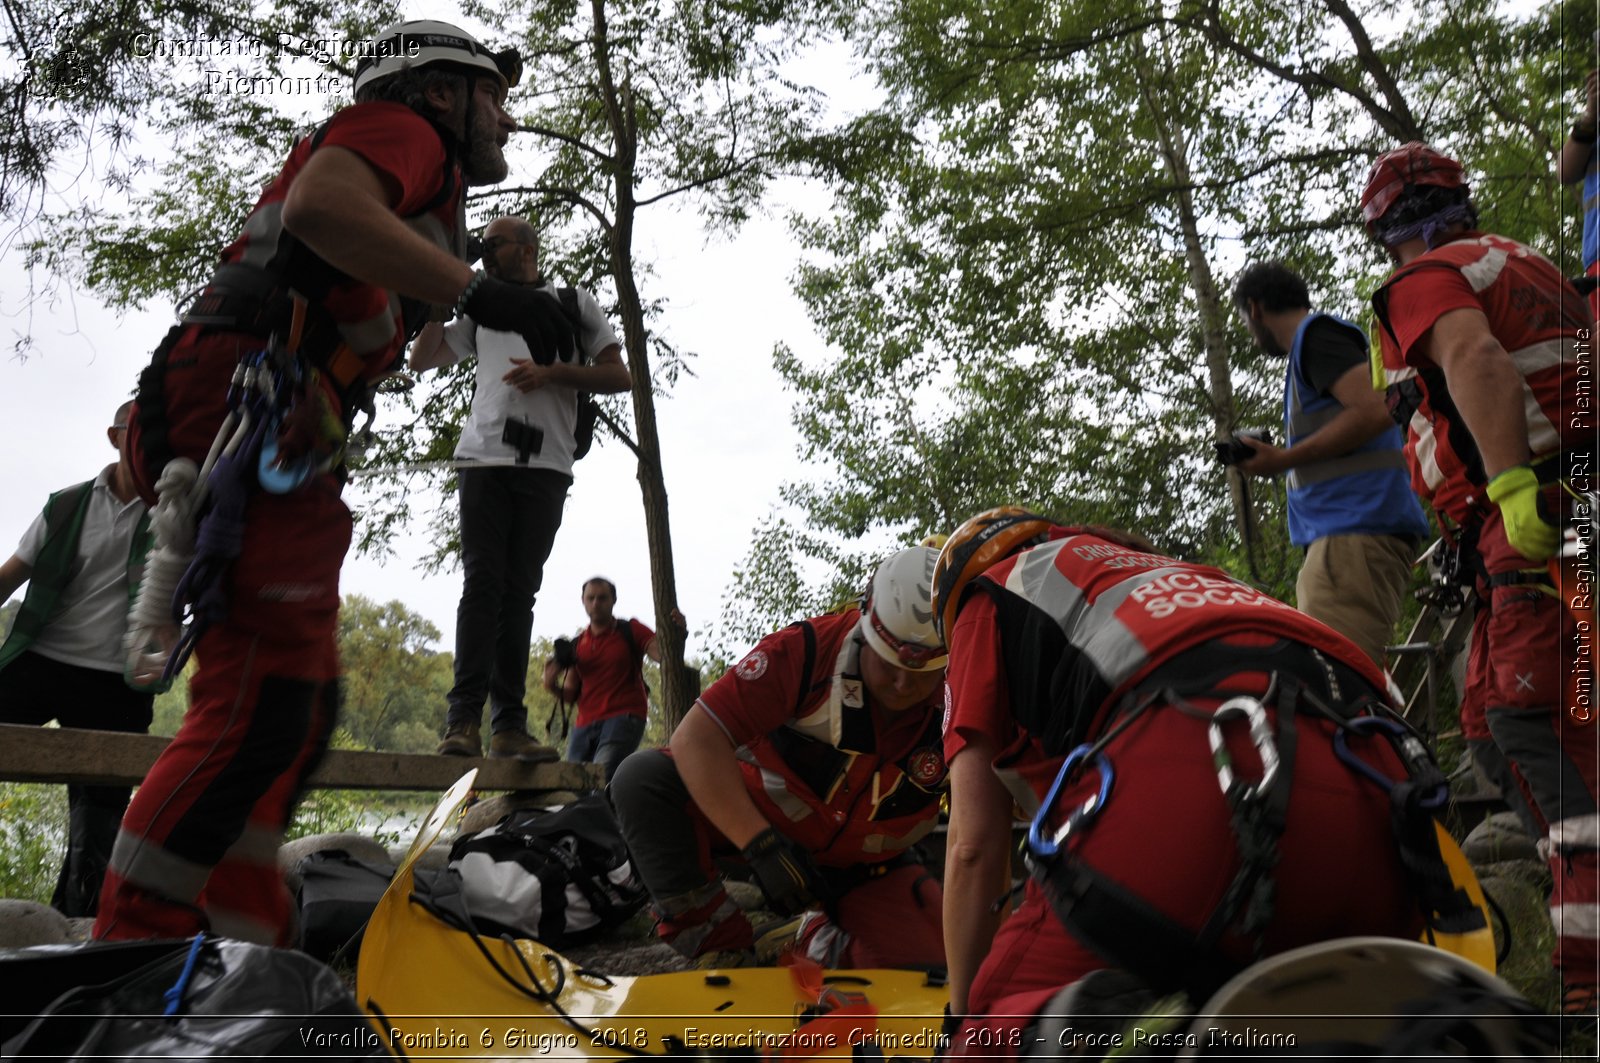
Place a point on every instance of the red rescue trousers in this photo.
(198, 846)
(1525, 645)
(1165, 837)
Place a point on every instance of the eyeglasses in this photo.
(119, 428)
(495, 243)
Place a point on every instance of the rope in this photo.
(153, 625)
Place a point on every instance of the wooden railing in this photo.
(62, 755)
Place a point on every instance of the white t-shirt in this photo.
(554, 410)
(92, 613)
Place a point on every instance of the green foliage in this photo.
(367, 811)
(33, 836)
(394, 684)
(1028, 296)
(171, 704)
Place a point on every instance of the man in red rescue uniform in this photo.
(817, 759)
(356, 243)
(1481, 343)
(1062, 637)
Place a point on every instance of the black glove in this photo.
(534, 314)
(785, 873)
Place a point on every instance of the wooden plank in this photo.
(52, 754)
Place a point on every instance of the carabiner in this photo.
(1038, 844)
(1260, 735)
(1412, 752)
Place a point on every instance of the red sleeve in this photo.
(757, 695)
(641, 634)
(1419, 299)
(398, 143)
(976, 700)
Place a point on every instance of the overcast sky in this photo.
(725, 432)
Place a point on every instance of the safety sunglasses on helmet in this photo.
(911, 655)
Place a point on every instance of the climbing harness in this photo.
(199, 519)
(1172, 957)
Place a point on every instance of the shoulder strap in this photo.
(807, 667)
(568, 298)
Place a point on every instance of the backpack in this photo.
(337, 896)
(560, 875)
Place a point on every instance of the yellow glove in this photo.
(1516, 492)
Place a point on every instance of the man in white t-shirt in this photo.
(520, 438)
(81, 559)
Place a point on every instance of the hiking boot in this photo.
(519, 745)
(725, 958)
(775, 938)
(461, 740)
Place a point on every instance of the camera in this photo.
(1233, 451)
(564, 653)
(525, 439)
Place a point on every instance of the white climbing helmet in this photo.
(411, 45)
(897, 611)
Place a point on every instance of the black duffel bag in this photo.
(205, 998)
(560, 876)
(337, 896)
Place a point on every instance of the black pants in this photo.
(35, 690)
(509, 518)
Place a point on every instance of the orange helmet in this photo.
(1399, 172)
(981, 542)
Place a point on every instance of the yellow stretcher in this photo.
(435, 991)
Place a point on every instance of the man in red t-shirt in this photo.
(351, 248)
(816, 759)
(1203, 816)
(605, 673)
(1484, 344)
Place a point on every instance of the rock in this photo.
(24, 924)
(488, 812)
(1520, 890)
(1499, 838)
(747, 895)
(435, 857)
(358, 846)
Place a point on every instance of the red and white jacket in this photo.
(1537, 318)
(850, 782)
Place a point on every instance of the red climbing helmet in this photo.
(1397, 173)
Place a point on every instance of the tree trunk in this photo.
(676, 692)
(1219, 376)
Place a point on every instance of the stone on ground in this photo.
(24, 924)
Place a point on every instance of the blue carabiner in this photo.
(1410, 750)
(1038, 843)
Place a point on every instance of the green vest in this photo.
(64, 514)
